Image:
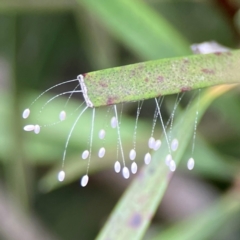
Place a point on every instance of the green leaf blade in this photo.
(160, 77)
(136, 208)
(139, 27)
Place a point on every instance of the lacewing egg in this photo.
(147, 158)
(174, 145)
(85, 154)
(190, 164)
(101, 152)
(125, 172)
(157, 145)
(132, 154)
(151, 142)
(134, 168)
(29, 128)
(117, 167)
(84, 180)
(102, 134)
(113, 122)
(26, 113)
(168, 159)
(61, 176)
(172, 166)
(62, 115)
(37, 129)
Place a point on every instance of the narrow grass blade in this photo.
(160, 77)
(12, 6)
(133, 213)
(139, 27)
(205, 224)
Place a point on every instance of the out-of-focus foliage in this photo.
(45, 42)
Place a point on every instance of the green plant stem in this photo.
(160, 77)
(15, 168)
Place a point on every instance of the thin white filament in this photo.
(196, 122)
(55, 123)
(172, 117)
(58, 95)
(70, 133)
(59, 84)
(62, 115)
(164, 130)
(170, 120)
(154, 121)
(188, 106)
(119, 136)
(155, 116)
(91, 139)
(136, 123)
(70, 96)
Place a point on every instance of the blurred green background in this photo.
(43, 43)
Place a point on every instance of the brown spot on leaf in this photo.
(103, 84)
(111, 100)
(208, 71)
(160, 78)
(146, 79)
(185, 89)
